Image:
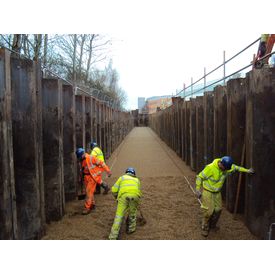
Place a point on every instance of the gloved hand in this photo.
(198, 194)
(251, 171)
(109, 174)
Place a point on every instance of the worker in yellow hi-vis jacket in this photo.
(97, 152)
(211, 180)
(127, 192)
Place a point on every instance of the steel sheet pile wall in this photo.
(69, 143)
(8, 218)
(182, 126)
(93, 106)
(52, 111)
(208, 127)
(225, 122)
(236, 113)
(88, 122)
(80, 121)
(220, 121)
(79, 134)
(193, 135)
(38, 169)
(187, 132)
(220, 126)
(199, 134)
(260, 136)
(177, 143)
(26, 112)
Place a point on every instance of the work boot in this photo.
(214, 220)
(205, 230)
(127, 223)
(215, 228)
(86, 211)
(106, 188)
(130, 232)
(97, 189)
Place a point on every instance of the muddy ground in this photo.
(168, 204)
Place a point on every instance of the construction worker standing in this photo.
(97, 152)
(211, 180)
(127, 192)
(91, 169)
(265, 47)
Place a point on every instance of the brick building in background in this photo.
(161, 102)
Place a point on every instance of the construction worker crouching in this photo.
(97, 152)
(91, 169)
(127, 192)
(211, 180)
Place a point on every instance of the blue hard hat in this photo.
(131, 171)
(79, 152)
(227, 162)
(93, 144)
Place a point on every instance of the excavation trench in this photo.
(168, 204)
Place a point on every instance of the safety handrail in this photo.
(264, 57)
(215, 69)
(44, 68)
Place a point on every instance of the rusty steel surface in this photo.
(8, 228)
(208, 126)
(40, 128)
(52, 110)
(69, 143)
(200, 134)
(236, 114)
(260, 152)
(25, 148)
(221, 123)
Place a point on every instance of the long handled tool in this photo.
(141, 220)
(239, 183)
(194, 192)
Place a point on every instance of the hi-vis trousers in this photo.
(126, 202)
(211, 206)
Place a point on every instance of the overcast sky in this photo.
(158, 64)
(158, 45)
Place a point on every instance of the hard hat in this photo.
(79, 152)
(131, 171)
(227, 162)
(93, 144)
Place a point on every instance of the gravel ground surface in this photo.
(168, 204)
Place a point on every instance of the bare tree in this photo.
(16, 43)
(83, 38)
(26, 49)
(37, 46)
(73, 56)
(6, 40)
(90, 52)
(45, 50)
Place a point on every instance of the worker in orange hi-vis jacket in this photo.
(91, 168)
(265, 47)
(270, 43)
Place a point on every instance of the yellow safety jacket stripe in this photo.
(126, 184)
(212, 177)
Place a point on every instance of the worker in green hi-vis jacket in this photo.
(210, 180)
